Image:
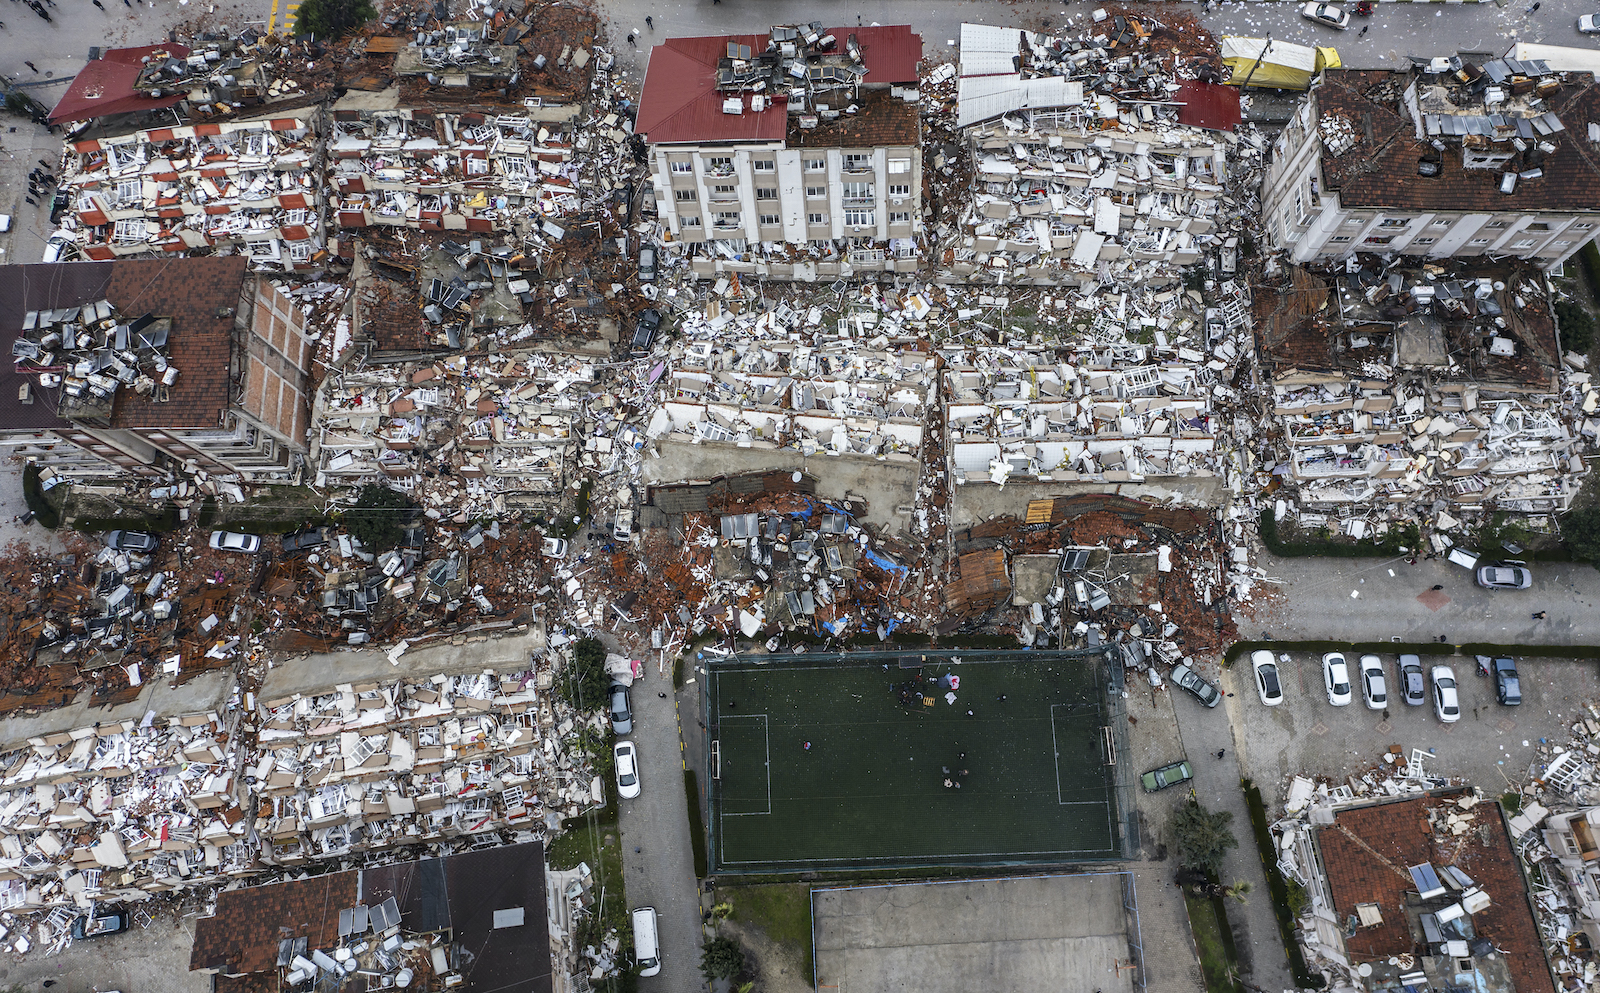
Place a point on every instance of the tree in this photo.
(1581, 529)
(1240, 890)
(330, 20)
(721, 959)
(1202, 837)
(375, 519)
(585, 686)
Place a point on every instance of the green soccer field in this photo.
(871, 789)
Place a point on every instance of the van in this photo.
(646, 952)
(622, 530)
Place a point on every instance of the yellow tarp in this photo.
(1284, 66)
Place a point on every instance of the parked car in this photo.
(1411, 688)
(646, 945)
(555, 548)
(1507, 687)
(1589, 24)
(1267, 683)
(644, 333)
(1167, 775)
(622, 528)
(1446, 704)
(301, 541)
(1336, 679)
(647, 264)
(619, 706)
(1326, 14)
(1185, 676)
(627, 769)
(1512, 575)
(235, 541)
(131, 541)
(108, 922)
(1373, 689)
(55, 247)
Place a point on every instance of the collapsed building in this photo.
(791, 155)
(1448, 158)
(1395, 387)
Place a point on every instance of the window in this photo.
(816, 192)
(820, 244)
(690, 222)
(1356, 222)
(682, 167)
(1444, 223)
(1341, 238)
(686, 195)
(1394, 222)
(816, 218)
(722, 164)
(859, 218)
(816, 165)
(727, 218)
(764, 165)
(1379, 240)
(1423, 241)
(858, 191)
(1495, 225)
(897, 166)
(1479, 241)
(719, 192)
(899, 217)
(857, 161)
(766, 193)
(1537, 226)
(1560, 244)
(1522, 244)
(769, 220)
(1582, 227)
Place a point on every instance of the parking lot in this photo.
(1490, 746)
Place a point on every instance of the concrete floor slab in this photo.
(208, 691)
(319, 672)
(976, 502)
(1065, 933)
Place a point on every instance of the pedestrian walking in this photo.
(635, 44)
(1221, 752)
(1531, 9)
(1363, 30)
(649, 22)
(1438, 586)
(808, 746)
(662, 695)
(1539, 616)
(30, 65)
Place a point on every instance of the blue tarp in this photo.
(887, 565)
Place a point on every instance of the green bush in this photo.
(1577, 327)
(722, 958)
(330, 20)
(1408, 537)
(1581, 529)
(375, 519)
(585, 684)
(1282, 905)
(43, 510)
(1202, 837)
(697, 826)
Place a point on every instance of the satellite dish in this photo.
(1364, 969)
(798, 475)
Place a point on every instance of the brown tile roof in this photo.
(243, 935)
(1380, 169)
(193, 292)
(880, 119)
(1366, 854)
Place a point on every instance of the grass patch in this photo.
(44, 511)
(782, 912)
(1512, 802)
(1325, 543)
(162, 523)
(677, 672)
(1282, 906)
(1211, 943)
(697, 826)
(599, 843)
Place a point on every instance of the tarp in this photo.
(1557, 57)
(1285, 66)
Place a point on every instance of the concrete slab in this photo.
(321, 671)
(1064, 933)
(206, 692)
(976, 502)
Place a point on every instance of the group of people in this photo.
(952, 780)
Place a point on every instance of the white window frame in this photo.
(817, 218)
(816, 192)
(899, 189)
(816, 165)
(864, 217)
(764, 165)
(898, 166)
(681, 168)
(770, 220)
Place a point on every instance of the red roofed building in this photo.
(107, 86)
(795, 154)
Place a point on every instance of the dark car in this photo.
(109, 922)
(1412, 691)
(1190, 680)
(1167, 775)
(1507, 687)
(302, 540)
(131, 541)
(647, 264)
(644, 333)
(1511, 575)
(620, 709)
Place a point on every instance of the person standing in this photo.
(649, 22)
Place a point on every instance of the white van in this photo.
(646, 951)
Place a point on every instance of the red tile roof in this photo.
(680, 103)
(1380, 168)
(105, 86)
(1368, 850)
(1208, 105)
(242, 936)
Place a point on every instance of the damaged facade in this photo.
(1446, 159)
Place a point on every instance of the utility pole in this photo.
(1259, 59)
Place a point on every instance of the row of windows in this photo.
(853, 191)
(854, 218)
(1444, 222)
(852, 163)
(1521, 245)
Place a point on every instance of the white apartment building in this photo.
(1447, 159)
(795, 155)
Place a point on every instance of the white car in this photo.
(1589, 24)
(1267, 682)
(1373, 689)
(627, 770)
(1326, 14)
(56, 245)
(555, 548)
(1445, 702)
(1336, 679)
(235, 541)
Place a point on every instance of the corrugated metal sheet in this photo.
(988, 50)
(975, 456)
(984, 97)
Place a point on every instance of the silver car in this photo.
(1373, 690)
(1185, 676)
(1511, 575)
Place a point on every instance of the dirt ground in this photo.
(137, 961)
(778, 969)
